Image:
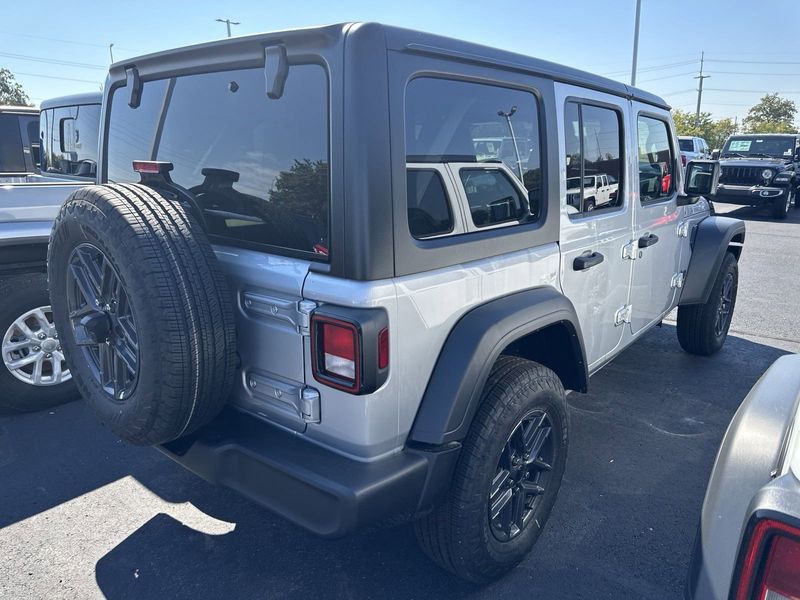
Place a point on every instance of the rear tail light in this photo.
(683, 160)
(770, 566)
(339, 346)
(350, 348)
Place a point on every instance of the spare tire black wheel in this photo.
(144, 312)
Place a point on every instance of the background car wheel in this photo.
(780, 206)
(144, 312)
(507, 477)
(35, 374)
(703, 328)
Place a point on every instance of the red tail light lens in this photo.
(770, 568)
(350, 348)
(683, 160)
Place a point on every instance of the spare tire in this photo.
(144, 311)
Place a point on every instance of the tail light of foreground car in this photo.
(770, 565)
(350, 348)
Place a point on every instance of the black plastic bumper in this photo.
(311, 486)
(748, 195)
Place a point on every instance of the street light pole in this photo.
(508, 115)
(228, 22)
(636, 41)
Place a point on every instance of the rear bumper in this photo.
(748, 195)
(323, 492)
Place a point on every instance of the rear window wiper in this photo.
(760, 155)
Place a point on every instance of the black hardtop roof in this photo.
(409, 40)
(73, 100)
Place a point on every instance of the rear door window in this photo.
(656, 160)
(257, 166)
(593, 144)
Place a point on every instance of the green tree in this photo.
(772, 114)
(713, 131)
(303, 189)
(11, 92)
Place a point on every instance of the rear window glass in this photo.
(258, 167)
(70, 137)
(429, 211)
(12, 158)
(656, 161)
(686, 145)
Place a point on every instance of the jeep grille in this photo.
(741, 175)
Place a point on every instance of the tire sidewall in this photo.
(511, 550)
(81, 226)
(498, 554)
(729, 265)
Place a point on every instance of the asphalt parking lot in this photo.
(83, 515)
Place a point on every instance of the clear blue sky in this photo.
(751, 47)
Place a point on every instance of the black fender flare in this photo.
(712, 237)
(455, 387)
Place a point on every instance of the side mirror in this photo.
(715, 154)
(701, 179)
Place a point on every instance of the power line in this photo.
(655, 68)
(753, 91)
(667, 77)
(53, 61)
(52, 39)
(754, 62)
(56, 77)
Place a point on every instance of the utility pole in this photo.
(636, 41)
(701, 77)
(228, 22)
(111, 52)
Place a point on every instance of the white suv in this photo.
(327, 291)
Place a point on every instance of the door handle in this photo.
(587, 261)
(648, 240)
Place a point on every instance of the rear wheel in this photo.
(35, 375)
(507, 477)
(144, 312)
(703, 328)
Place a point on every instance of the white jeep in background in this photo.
(599, 191)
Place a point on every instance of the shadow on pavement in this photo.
(642, 447)
(756, 213)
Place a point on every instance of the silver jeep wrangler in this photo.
(307, 275)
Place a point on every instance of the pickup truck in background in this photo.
(46, 154)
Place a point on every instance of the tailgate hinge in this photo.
(304, 310)
(623, 315)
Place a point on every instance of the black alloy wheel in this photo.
(522, 475)
(102, 321)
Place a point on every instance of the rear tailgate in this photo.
(270, 327)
